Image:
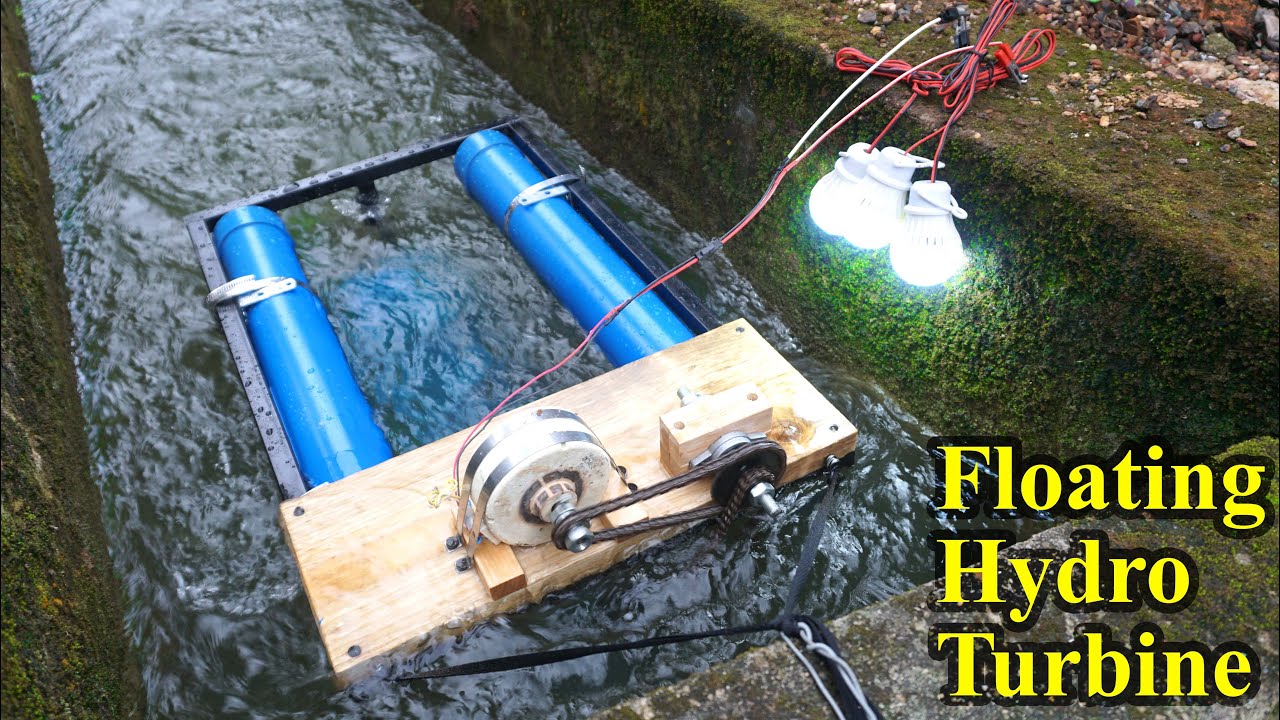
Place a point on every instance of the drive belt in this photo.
(760, 460)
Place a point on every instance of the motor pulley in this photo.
(531, 472)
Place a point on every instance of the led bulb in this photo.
(929, 251)
(829, 201)
(875, 208)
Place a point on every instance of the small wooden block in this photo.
(627, 515)
(498, 568)
(691, 429)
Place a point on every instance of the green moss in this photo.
(1111, 294)
(62, 647)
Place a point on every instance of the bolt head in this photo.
(761, 496)
(578, 538)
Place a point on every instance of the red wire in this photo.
(1032, 51)
(733, 232)
(892, 122)
(958, 82)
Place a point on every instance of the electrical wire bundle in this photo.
(958, 82)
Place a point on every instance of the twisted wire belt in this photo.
(725, 514)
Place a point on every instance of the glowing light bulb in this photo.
(929, 251)
(875, 208)
(829, 200)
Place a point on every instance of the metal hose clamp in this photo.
(536, 193)
(248, 290)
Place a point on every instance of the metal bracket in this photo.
(248, 290)
(536, 193)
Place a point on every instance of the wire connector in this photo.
(960, 17)
(1004, 56)
(709, 249)
(952, 13)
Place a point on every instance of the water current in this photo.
(153, 110)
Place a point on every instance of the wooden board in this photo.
(688, 431)
(371, 548)
(499, 569)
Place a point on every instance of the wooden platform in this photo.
(371, 548)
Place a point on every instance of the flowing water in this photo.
(153, 110)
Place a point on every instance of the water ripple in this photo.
(157, 109)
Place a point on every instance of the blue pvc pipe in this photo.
(327, 419)
(587, 276)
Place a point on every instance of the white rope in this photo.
(865, 74)
(813, 673)
(845, 672)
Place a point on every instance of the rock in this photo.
(1233, 16)
(1235, 133)
(1246, 142)
(887, 8)
(1268, 24)
(1146, 103)
(1218, 45)
(1262, 92)
(877, 32)
(1095, 63)
(1217, 120)
(1105, 121)
(1226, 147)
(1190, 28)
(867, 17)
(1205, 71)
(1181, 161)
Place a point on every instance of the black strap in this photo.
(817, 528)
(528, 660)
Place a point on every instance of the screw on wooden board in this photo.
(298, 511)
(453, 542)
(354, 651)
(462, 565)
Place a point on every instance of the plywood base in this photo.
(371, 548)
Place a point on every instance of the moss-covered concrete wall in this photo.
(887, 643)
(1113, 291)
(64, 650)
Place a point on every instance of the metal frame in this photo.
(361, 176)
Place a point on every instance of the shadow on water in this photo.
(155, 110)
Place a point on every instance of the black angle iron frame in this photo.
(361, 176)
